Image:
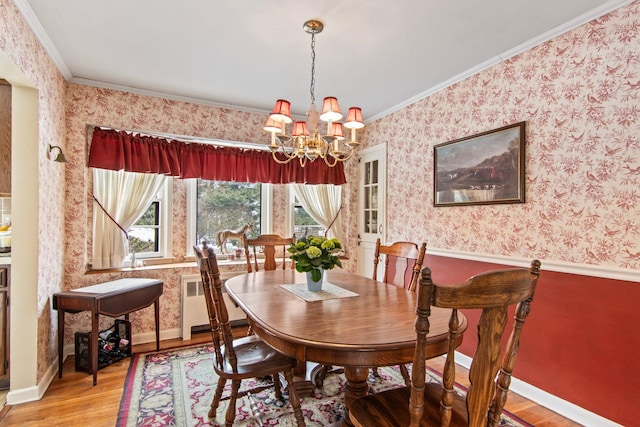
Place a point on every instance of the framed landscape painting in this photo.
(481, 169)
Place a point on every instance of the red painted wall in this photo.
(580, 342)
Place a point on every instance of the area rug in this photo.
(175, 388)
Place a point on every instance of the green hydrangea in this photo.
(313, 252)
(328, 244)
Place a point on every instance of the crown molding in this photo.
(35, 25)
(555, 32)
(37, 28)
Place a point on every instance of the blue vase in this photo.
(315, 286)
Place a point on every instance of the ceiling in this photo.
(376, 54)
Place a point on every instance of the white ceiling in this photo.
(376, 54)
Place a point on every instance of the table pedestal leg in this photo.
(356, 387)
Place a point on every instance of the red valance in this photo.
(118, 150)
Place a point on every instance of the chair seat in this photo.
(390, 408)
(255, 358)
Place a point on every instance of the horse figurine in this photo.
(225, 235)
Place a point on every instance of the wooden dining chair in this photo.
(242, 358)
(434, 404)
(271, 245)
(402, 264)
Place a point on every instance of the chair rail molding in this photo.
(611, 272)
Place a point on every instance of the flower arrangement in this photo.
(314, 253)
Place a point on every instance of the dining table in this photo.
(354, 322)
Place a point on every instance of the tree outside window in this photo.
(227, 206)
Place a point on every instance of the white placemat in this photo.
(328, 291)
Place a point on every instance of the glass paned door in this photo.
(371, 206)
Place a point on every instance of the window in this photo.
(303, 224)
(215, 206)
(149, 237)
(144, 235)
(313, 209)
(119, 199)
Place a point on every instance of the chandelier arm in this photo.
(326, 160)
(351, 153)
(343, 158)
(282, 162)
(290, 154)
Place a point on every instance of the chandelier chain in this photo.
(312, 87)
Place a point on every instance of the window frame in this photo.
(164, 198)
(157, 226)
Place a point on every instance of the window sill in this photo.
(189, 262)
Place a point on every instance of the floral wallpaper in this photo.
(579, 94)
(21, 46)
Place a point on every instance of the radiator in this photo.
(194, 308)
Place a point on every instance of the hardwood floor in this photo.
(74, 401)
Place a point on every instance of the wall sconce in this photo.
(60, 157)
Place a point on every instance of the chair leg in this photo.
(405, 374)
(374, 372)
(294, 399)
(216, 397)
(319, 373)
(231, 409)
(277, 386)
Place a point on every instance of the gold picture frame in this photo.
(482, 169)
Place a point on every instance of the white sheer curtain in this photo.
(323, 202)
(125, 196)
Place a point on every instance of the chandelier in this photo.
(305, 141)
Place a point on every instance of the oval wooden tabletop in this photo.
(373, 327)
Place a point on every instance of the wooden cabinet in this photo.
(5, 138)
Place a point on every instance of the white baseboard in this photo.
(32, 393)
(549, 401)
